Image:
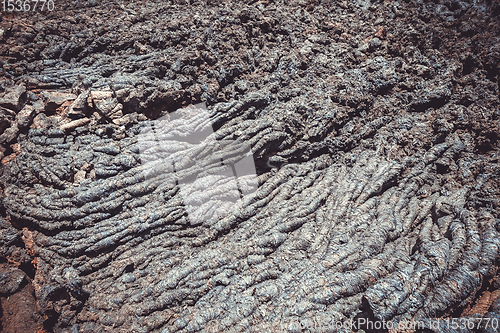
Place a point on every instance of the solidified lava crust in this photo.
(373, 126)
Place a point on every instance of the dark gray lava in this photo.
(374, 129)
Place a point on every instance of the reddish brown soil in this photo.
(19, 313)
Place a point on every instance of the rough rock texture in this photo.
(11, 281)
(374, 129)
